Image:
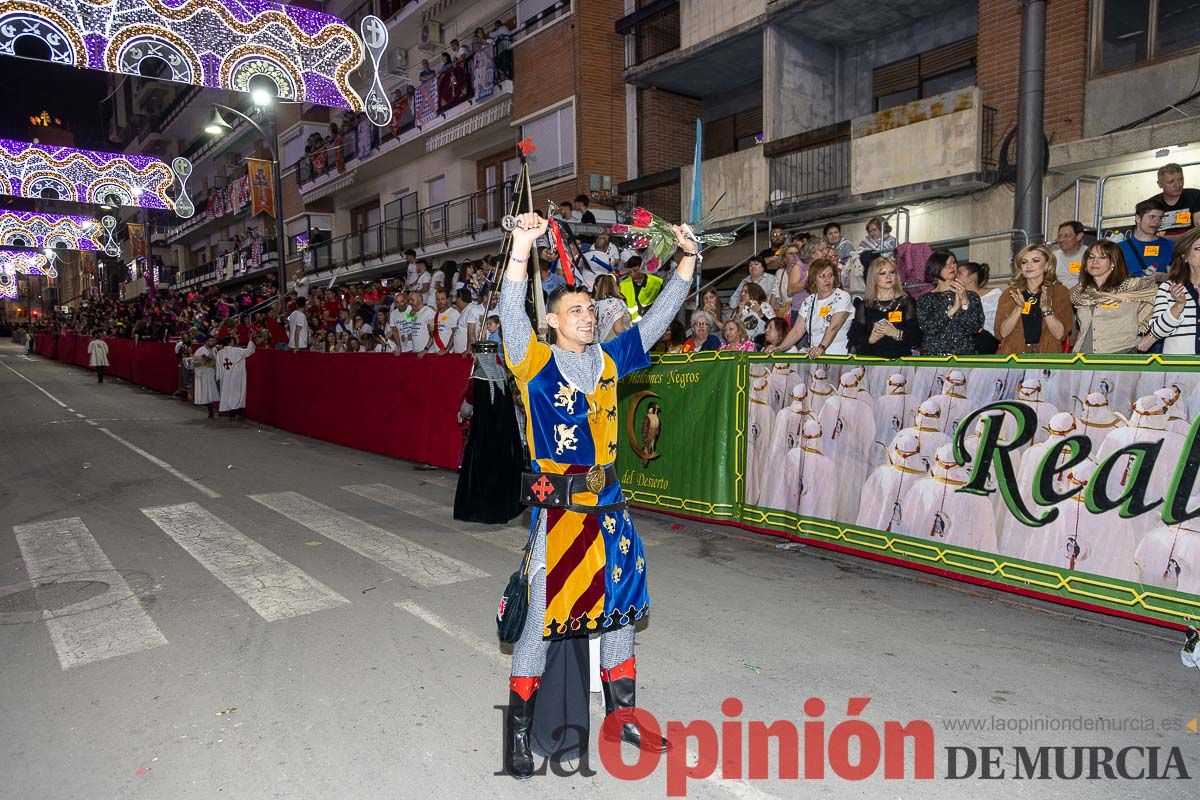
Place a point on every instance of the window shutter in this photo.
(954, 56)
(892, 78)
(748, 122)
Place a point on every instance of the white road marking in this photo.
(509, 538)
(106, 626)
(34, 385)
(420, 564)
(271, 585)
(491, 650)
(158, 462)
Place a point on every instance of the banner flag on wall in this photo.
(262, 187)
(137, 240)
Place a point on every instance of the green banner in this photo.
(678, 423)
(1073, 479)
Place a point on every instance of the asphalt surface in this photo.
(228, 610)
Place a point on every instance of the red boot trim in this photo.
(524, 687)
(626, 669)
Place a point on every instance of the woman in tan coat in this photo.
(1111, 307)
(1034, 314)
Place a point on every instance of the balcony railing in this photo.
(654, 30)
(242, 263)
(462, 217)
(473, 80)
(812, 164)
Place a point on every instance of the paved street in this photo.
(227, 610)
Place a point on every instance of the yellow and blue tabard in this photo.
(595, 563)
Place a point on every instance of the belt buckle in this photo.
(595, 478)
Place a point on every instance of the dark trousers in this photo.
(99, 374)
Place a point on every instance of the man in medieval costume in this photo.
(231, 372)
(587, 568)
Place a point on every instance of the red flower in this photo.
(641, 218)
(620, 229)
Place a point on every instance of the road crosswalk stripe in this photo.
(415, 562)
(272, 586)
(489, 649)
(105, 626)
(509, 538)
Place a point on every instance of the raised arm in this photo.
(658, 318)
(514, 324)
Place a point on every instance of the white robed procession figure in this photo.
(819, 390)
(1007, 434)
(1097, 420)
(806, 488)
(231, 372)
(1119, 388)
(1148, 423)
(882, 505)
(953, 401)
(1169, 556)
(785, 435)
(848, 428)
(893, 409)
(935, 509)
(1014, 537)
(986, 386)
(204, 368)
(779, 384)
(927, 429)
(1177, 420)
(1029, 392)
(759, 419)
(1079, 540)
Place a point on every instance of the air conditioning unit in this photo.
(397, 61)
(431, 40)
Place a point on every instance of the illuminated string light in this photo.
(32, 229)
(87, 176)
(223, 44)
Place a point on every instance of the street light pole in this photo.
(272, 145)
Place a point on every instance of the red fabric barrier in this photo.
(154, 366)
(396, 406)
(402, 406)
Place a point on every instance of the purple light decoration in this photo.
(84, 176)
(19, 261)
(58, 231)
(216, 43)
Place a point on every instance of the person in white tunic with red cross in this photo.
(231, 372)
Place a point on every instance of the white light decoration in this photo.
(32, 229)
(40, 171)
(224, 44)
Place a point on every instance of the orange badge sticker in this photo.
(1025, 309)
(824, 312)
(1110, 305)
(1074, 266)
(1150, 251)
(895, 316)
(1183, 218)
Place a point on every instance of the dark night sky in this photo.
(73, 95)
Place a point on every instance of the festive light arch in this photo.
(221, 44)
(32, 229)
(13, 262)
(89, 176)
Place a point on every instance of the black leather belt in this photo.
(544, 490)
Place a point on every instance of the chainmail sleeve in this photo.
(514, 325)
(658, 318)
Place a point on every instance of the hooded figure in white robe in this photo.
(1148, 423)
(807, 488)
(864, 392)
(1014, 537)
(819, 390)
(877, 380)
(759, 419)
(985, 385)
(1169, 556)
(882, 495)
(1150, 381)
(926, 427)
(1081, 541)
(777, 386)
(936, 511)
(786, 435)
(953, 400)
(893, 410)
(231, 372)
(204, 368)
(1029, 392)
(924, 383)
(848, 424)
(1177, 413)
(1117, 387)
(1097, 420)
(1056, 385)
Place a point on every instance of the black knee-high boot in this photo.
(620, 698)
(518, 758)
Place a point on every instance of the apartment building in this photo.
(441, 177)
(817, 110)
